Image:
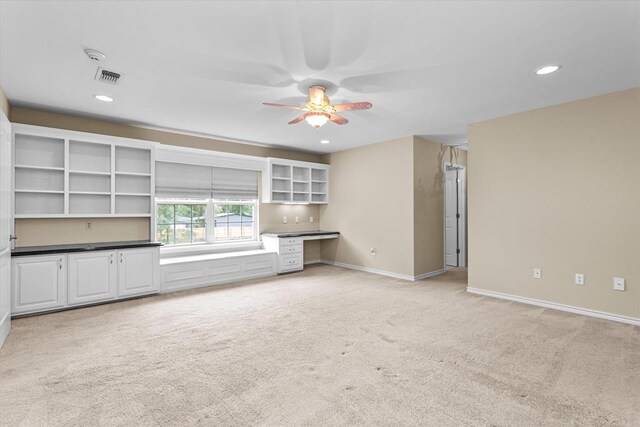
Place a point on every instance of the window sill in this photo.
(172, 251)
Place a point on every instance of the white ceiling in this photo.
(429, 68)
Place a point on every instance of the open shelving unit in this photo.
(288, 181)
(58, 175)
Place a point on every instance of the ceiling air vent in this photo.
(106, 76)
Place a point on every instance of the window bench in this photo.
(194, 271)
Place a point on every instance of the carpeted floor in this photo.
(326, 346)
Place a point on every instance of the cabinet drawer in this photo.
(286, 241)
(291, 263)
(292, 249)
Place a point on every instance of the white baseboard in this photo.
(430, 274)
(5, 327)
(313, 261)
(382, 272)
(556, 306)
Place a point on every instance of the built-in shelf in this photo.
(60, 174)
(40, 191)
(97, 193)
(90, 173)
(133, 174)
(45, 168)
(295, 182)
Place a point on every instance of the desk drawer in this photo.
(286, 241)
(291, 262)
(291, 249)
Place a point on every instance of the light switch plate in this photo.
(579, 279)
(618, 283)
(284, 219)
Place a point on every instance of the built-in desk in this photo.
(289, 246)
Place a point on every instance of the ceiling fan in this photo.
(318, 109)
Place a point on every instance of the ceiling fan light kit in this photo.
(316, 119)
(318, 109)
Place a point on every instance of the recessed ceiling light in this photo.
(324, 141)
(548, 69)
(103, 98)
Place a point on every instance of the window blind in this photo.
(230, 183)
(180, 180)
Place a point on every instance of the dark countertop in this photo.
(81, 247)
(299, 233)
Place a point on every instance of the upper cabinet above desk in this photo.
(60, 173)
(290, 181)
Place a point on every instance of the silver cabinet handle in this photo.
(111, 259)
(120, 257)
(60, 263)
(11, 237)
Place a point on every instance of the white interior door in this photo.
(5, 227)
(451, 219)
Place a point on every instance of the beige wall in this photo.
(371, 204)
(428, 203)
(39, 232)
(4, 104)
(48, 231)
(557, 188)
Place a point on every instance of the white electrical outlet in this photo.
(373, 251)
(310, 219)
(297, 219)
(579, 279)
(284, 219)
(537, 273)
(618, 283)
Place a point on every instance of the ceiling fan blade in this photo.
(292, 107)
(353, 106)
(339, 120)
(298, 119)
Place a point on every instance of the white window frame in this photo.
(209, 223)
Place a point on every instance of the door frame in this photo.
(5, 320)
(462, 207)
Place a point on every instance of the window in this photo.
(185, 222)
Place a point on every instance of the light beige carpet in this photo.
(327, 346)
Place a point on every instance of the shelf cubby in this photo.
(130, 204)
(281, 171)
(89, 157)
(300, 173)
(39, 179)
(300, 197)
(133, 160)
(82, 203)
(39, 151)
(89, 182)
(133, 184)
(319, 175)
(34, 203)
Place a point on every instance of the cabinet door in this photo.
(138, 271)
(92, 277)
(39, 283)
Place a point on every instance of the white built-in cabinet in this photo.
(49, 282)
(59, 173)
(138, 271)
(290, 181)
(39, 283)
(290, 252)
(93, 277)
